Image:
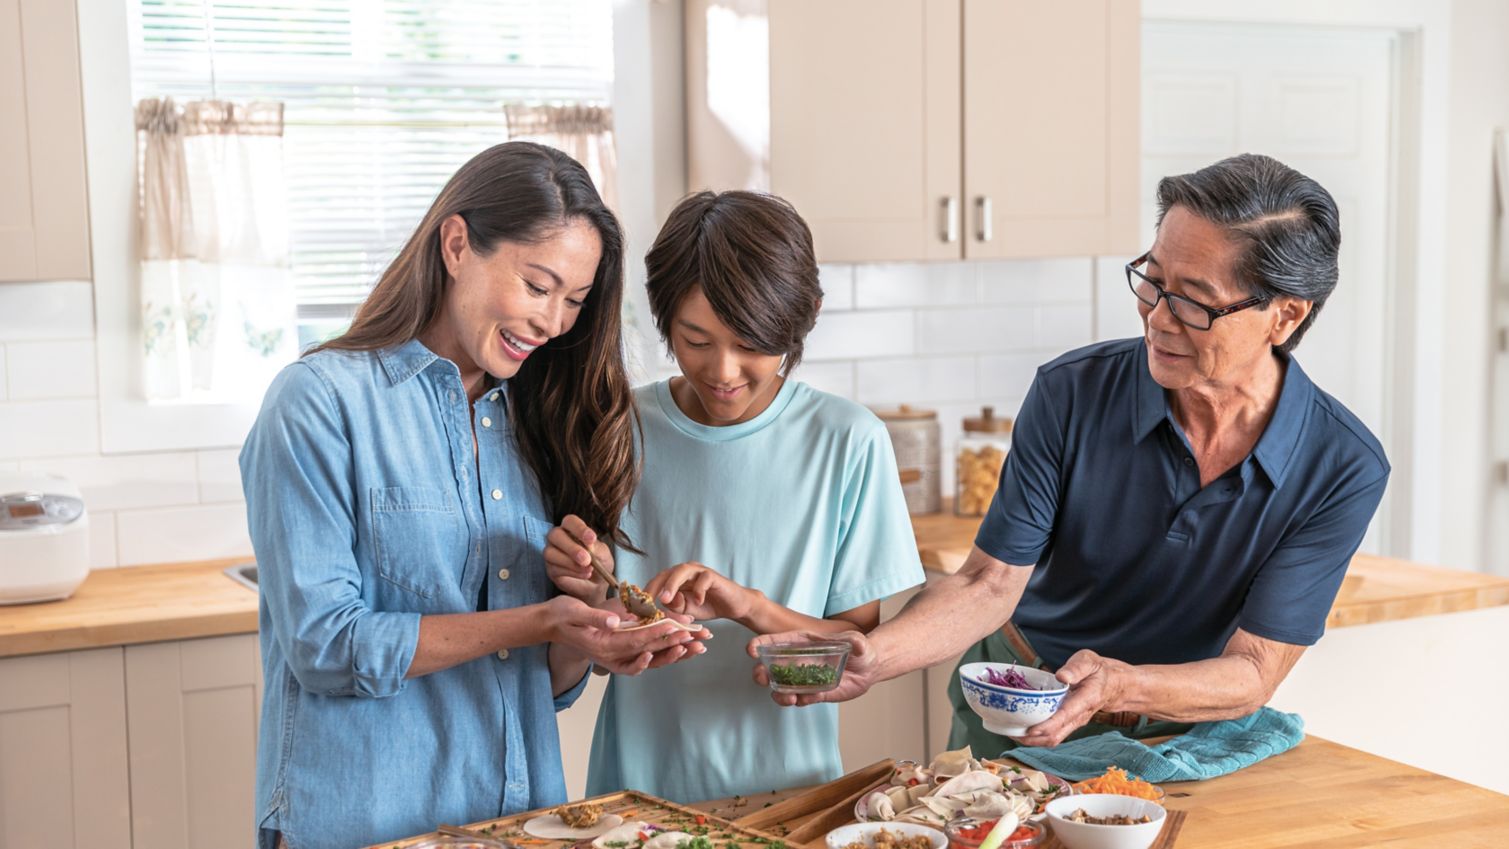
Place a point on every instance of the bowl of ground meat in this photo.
(1105, 821)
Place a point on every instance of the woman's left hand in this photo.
(701, 593)
(1094, 685)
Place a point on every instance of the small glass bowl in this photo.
(958, 841)
(804, 667)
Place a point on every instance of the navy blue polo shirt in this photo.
(1134, 560)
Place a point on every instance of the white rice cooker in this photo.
(44, 538)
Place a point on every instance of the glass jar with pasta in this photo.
(977, 463)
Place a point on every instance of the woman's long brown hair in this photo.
(572, 412)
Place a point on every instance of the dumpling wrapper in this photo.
(1030, 779)
(907, 774)
(552, 827)
(956, 762)
(944, 806)
(987, 805)
(977, 779)
(922, 814)
(901, 798)
(878, 806)
(626, 833)
(667, 840)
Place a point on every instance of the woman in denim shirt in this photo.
(400, 481)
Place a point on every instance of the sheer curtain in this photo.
(217, 297)
(583, 132)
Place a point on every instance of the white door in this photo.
(1319, 100)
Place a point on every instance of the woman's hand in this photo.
(701, 593)
(594, 634)
(570, 566)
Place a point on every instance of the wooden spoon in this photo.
(636, 600)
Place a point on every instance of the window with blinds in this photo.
(385, 99)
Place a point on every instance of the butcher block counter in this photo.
(134, 604)
(1317, 794)
(1376, 589)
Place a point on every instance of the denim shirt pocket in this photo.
(421, 540)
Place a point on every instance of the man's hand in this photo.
(702, 593)
(859, 674)
(1095, 684)
(570, 566)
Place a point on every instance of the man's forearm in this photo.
(949, 615)
(1236, 683)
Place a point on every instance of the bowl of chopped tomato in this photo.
(967, 834)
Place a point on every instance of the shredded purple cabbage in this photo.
(1009, 678)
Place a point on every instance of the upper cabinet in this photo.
(44, 215)
(924, 129)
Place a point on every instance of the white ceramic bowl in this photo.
(1008, 710)
(864, 832)
(1082, 835)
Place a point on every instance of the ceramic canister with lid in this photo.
(918, 443)
(977, 463)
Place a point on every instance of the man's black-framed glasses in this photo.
(1190, 313)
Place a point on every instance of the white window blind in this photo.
(385, 99)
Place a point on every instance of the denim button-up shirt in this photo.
(369, 508)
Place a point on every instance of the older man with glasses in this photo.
(1177, 510)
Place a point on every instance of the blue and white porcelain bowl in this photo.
(1008, 710)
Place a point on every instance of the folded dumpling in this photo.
(977, 779)
(878, 806)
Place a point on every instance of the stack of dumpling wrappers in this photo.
(968, 789)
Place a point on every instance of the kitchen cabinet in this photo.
(63, 772)
(924, 129)
(151, 745)
(192, 710)
(44, 217)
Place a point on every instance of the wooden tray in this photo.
(629, 804)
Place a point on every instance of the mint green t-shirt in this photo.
(803, 503)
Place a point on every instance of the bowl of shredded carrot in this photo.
(1116, 780)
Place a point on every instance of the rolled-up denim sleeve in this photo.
(568, 698)
(296, 471)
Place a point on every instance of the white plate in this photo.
(552, 827)
(865, 832)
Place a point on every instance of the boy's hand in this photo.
(568, 564)
(701, 593)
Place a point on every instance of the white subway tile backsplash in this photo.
(1036, 281)
(49, 428)
(102, 540)
(976, 330)
(1009, 375)
(838, 287)
(175, 535)
(1061, 327)
(915, 380)
(51, 369)
(915, 285)
(851, 335)
(1116, 315)
(52, 310)
(128, 481)
(835, 378)
(219, 475)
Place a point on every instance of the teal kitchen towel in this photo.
(1207, 750)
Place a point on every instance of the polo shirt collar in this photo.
(1280, 441)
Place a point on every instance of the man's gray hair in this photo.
(1288, 224)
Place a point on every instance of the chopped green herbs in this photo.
(802, 674)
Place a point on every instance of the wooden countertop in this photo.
(135, 604)
(1376, 589)
(1317, 794)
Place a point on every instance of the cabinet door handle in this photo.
(950, 231)
(982, 207)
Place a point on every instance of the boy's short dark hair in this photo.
(751, 254)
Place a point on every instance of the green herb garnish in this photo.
(802, 674)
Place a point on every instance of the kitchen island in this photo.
(1318, 794)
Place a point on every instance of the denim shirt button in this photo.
(503, 654)
(487, 422)
(503, 574)
(497, 495)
